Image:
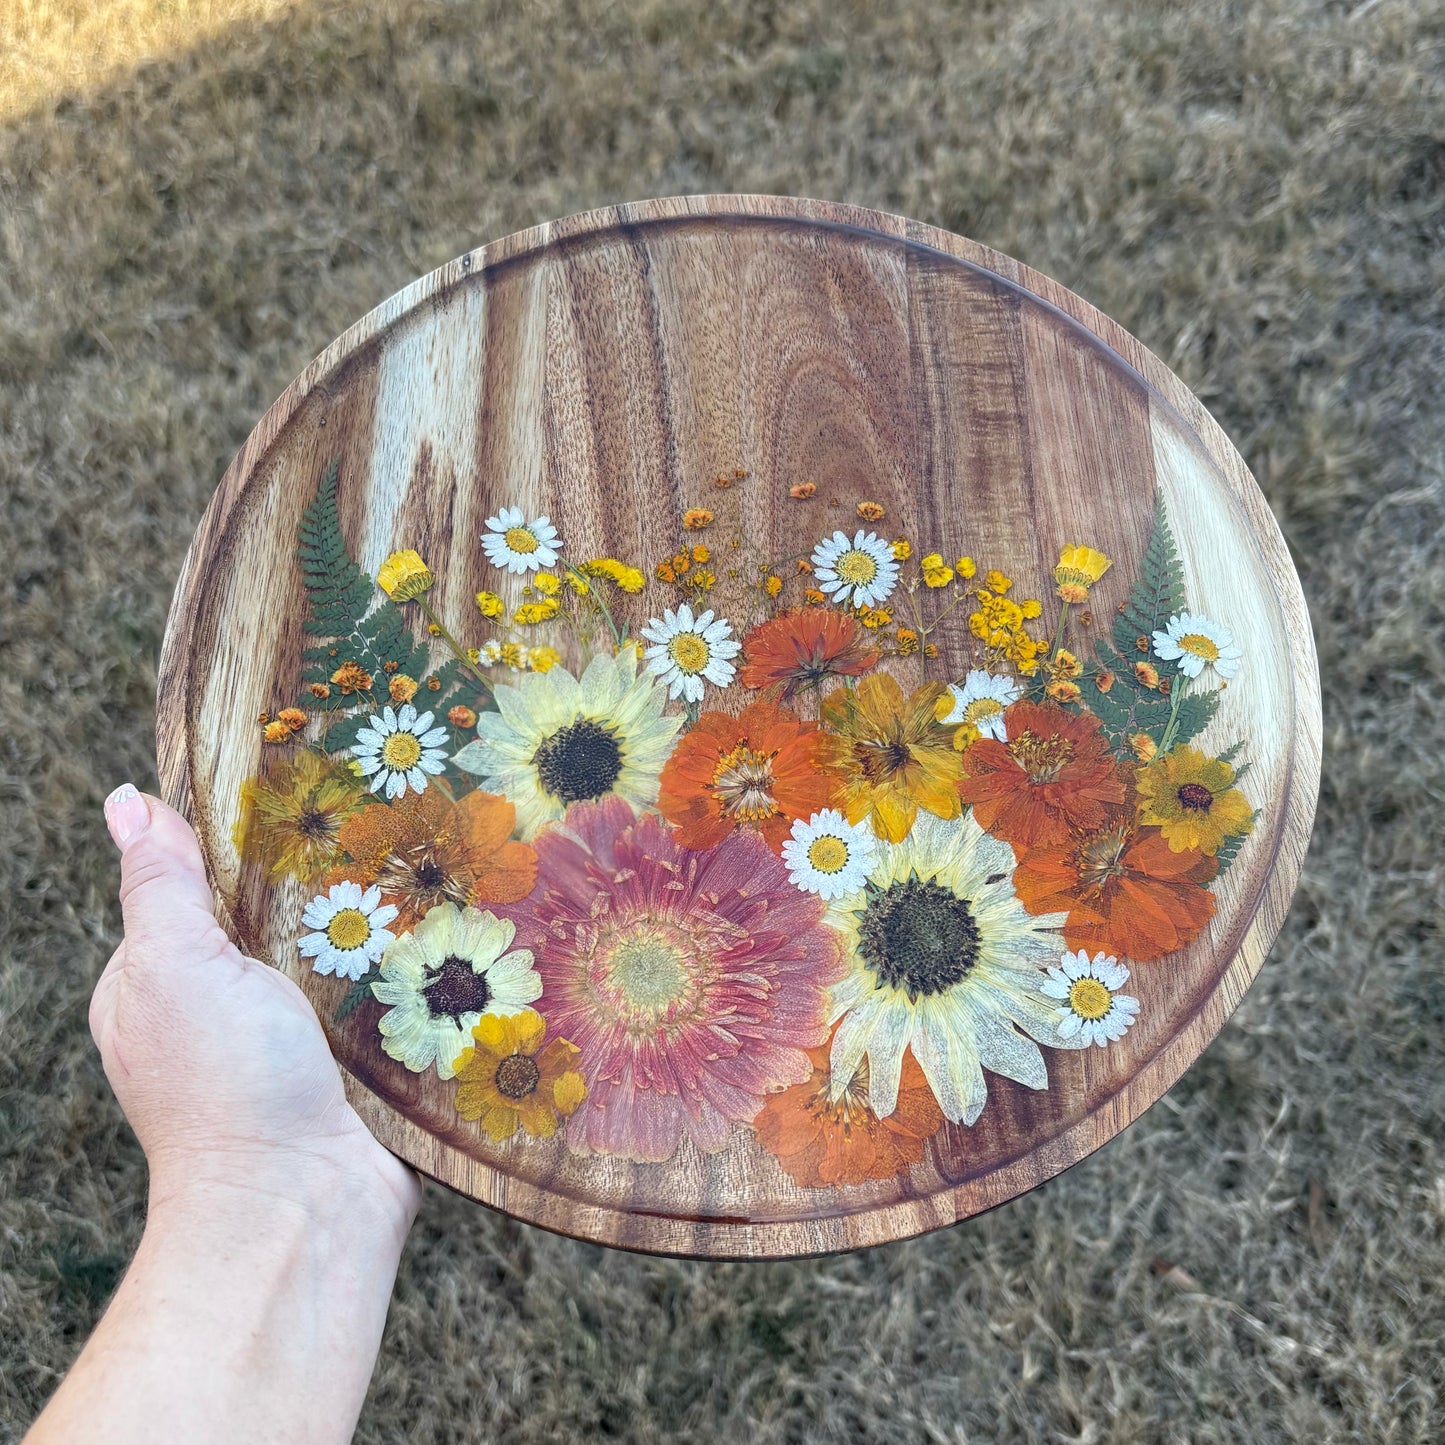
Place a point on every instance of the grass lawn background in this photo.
(194, 199)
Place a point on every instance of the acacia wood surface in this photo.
(603, 369)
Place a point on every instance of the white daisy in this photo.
(454, 966)
(687, 651)
(397, 750)
(828, 855)
(980, 703)
(944, 961)
(1094, 1011)
(350, 930)
(555, 739)
(520, 546)
(863, 570)
(1196, 642)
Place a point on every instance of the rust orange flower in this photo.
(827, 1134)
(1123, 888)
(802, 649)
(891, 754)
(352, 677)
(423, 849)
(1053, 775)
(760, 769)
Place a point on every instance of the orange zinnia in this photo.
(1053, 776)
(825, 1136)
(891, 754)
(1124, 889)
(423, 849)
(760, 769)
(803, 649)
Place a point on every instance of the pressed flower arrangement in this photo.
(629, 874)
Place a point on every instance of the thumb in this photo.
(164, 895)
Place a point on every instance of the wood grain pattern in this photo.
(603, 369)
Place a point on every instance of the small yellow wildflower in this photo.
(964, 735)
(1103, 679)
(876, 617)
(1065, 664)
(813, 598)
(546, 584)
(1062, 690)
(773, 584)
(543, 659)
(995, 581)
(320, 690)
(701, 553)
(907, 642)
(352, 677)
(490, 604)
(1143, 746)
(474, 655)
(531, 613)
(277, 732)
(902, 549)
(404, 575)
(293, 717)
(930, 649)
(402, 688)
(965, 567)
(870, 511)
(696, 518)
(433, 630)
(1078, 569)
(665, 573)
(704, 580)
(937, 576)
(1147, 674)
(1032, 608)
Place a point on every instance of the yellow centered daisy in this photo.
(1089, 998)
(981, 708)
(1200, 646)
(349, 928)
(856, 567)
(828, 854)
(519, 539)
(689, 651)
(401, 751)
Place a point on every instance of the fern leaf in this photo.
(1158, 593)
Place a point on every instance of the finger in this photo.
(164, 896)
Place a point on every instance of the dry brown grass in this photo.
(1255, 187)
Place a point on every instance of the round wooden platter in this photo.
(605, 370)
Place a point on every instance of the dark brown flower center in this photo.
(1195, 797)
(518, 1076)
(1042, 758)
(420, 875)
(456, 990)
(879, 761)
(918, 936)
(579, 762)
(313, 823)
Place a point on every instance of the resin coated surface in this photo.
(760, 727)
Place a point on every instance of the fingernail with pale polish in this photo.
(126, 814)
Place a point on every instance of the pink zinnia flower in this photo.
(694, 982)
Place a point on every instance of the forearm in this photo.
(245, 1316)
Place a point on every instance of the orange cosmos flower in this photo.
(803, 649)
(760, 769)
(827, 1134)
(423, 849)
(1124, 889)
(1054, 775)
(891, 754)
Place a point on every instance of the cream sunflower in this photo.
(688, 651)
(556, 739)
(349, 930)
(438, 980)
(1196, 642)
(517, 545)
(397, 750)
(946, 962)
(828, 855)
(1091, 1008)
(980, 702)
(863, 571)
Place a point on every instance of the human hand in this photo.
(217, 1060)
